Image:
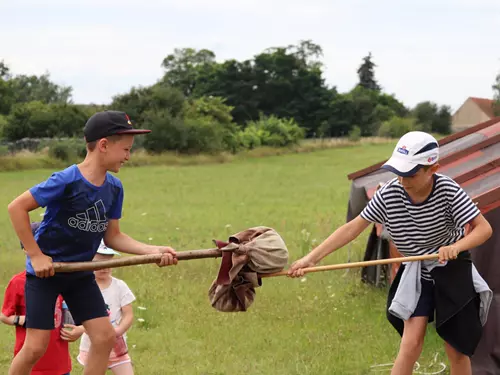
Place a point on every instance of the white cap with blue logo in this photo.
(104, 250)
(414, 150)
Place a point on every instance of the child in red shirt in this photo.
(56, 360)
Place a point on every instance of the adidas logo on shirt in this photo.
(92, 220)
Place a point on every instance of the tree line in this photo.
(199, 104)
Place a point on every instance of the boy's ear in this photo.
(102, 144)
(435, 167)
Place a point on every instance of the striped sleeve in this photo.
(375, 210)
(463, 209)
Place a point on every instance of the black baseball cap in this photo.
(107, 123)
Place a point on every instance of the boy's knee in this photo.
(33, 353)
(412, 347)
(104, 339)
(457, 358)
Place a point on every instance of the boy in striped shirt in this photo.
(425, 213)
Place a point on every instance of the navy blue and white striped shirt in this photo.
(422, 228)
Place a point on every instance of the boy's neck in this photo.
(423, 194)
(93, 170)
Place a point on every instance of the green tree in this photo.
(168, 132)
(285, 82)
(40, 120)
(366, 73)
(6, 92)
(184, 67)
(134, 103)
(397, 127)
(432, 118)
(442, 121)
(34, 88)
(496, 95)
(236, 82)
(68, 120)
(142, 99)
(342, 117)
(32, 119)
(361, 107)
(4, 71)
(214, 107)
(213, 112)
(425, 113)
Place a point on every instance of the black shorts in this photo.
(79, 290)
(426, 305)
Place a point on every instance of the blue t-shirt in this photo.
(76, 215)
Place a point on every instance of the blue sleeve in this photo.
(49, 190)
(116, 209)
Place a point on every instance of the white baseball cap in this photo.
(414, 150)
(104, 250)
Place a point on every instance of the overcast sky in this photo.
(439, 50)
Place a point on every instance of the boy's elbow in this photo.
(3, 319)
(12, 206)
(19, 205)
(488, 230)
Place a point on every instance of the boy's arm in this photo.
(341, 237)
(119, 241)
(11, 302)
(126, 320)
(11, 320)
(19, 210)
(480, 232)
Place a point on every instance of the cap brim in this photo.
(134, 131)
(107, 251)
(401, 167)
(112, 252)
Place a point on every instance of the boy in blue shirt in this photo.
(83, 206)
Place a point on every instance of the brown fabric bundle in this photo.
(248, 253)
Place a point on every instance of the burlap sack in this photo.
(255, 250)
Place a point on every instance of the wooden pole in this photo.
(357, 264)
(133, 260)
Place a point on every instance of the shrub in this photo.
(3, 124)
(61, 151)
(277, 132)
(251, 137)
(215, 111)
(39, 120)
(168, 132)
(355, 134)
(397, 127)
(204, 135)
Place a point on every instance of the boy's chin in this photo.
(115, 168)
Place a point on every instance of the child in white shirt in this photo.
(118, 298)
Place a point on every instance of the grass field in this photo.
(327, 323)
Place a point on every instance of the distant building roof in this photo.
(486, 105)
